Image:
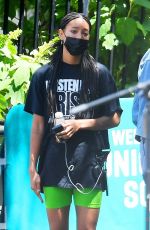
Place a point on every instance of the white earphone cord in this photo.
(71, 168)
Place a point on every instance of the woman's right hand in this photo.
(35, 183)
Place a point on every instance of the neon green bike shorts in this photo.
(56, 197)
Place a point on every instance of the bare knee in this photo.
(87, 225)
(87, 218)
(58, 218)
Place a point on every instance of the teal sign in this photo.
(123, 209)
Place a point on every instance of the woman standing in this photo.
(70, 162)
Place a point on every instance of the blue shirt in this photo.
(139, 99)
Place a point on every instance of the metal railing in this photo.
(51, 28)
(82, 7)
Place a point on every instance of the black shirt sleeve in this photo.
(107, 86)
(36, 97)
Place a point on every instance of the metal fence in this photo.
(82, 6)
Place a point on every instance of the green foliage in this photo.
(16, 70)
(126, 29)
(44, 51)
(110, 41)
(144, 3)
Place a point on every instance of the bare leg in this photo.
(87, 218)
(58, 218)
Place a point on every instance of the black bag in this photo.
(87, 167)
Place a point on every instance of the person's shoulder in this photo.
(103, 70)
(145, 61)
(44, 69)
(146, 55)
(42, 73)
(145, 58)
(101, 66)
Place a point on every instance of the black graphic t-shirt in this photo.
(68, 87)
(52, 165)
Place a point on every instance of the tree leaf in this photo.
(4, 84)
(17, 97)
(145, 3)
(1, 114)
(146, 25)
(126, 29)
(34, 67)
(11, 48)
(110, 41)
(3, 75)
(141, 27)
(14, 35)
(10, 92)
(22, 74)
(5, 52)
(3, 39)
(3, 102)
(105, 28)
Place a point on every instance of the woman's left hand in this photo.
(70, 127)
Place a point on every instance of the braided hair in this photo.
(88, 70)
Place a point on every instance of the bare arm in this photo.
(101, 123)
(36, 138)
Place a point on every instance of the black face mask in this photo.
(76, 46)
